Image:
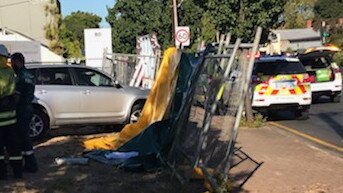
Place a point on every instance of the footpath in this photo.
(291, 164)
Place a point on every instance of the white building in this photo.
(28, 17)
(294, 39)
(34, 51)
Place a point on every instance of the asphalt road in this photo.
(325, 122)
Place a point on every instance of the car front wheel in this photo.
(302, 114)
(39, 125)
(136, 112)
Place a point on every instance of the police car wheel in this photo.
(39, 125)
(335, 98)
(302, 114)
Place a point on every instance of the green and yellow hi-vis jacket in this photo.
(7, 89)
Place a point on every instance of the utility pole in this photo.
(175, 20)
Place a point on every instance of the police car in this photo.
(325, 75)
(281, 83)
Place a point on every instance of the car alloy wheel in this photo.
(135, 115)
(36, 126)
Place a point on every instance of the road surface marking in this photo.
(309, 137)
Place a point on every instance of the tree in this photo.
(240, 17)
(191, 13)
(52, 27)
(329, 9)
(297, 12)
(76, 22)
(70, 42)
(129, 19)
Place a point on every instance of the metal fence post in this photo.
(232, 142)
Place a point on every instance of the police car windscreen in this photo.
(279, 67)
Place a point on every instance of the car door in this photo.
(101, 101)
(56, 91)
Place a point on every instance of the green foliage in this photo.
(336, 38)
(66, 36)
(190, 14)
(241, 17)
(70, 42)
(258, 121)
(208, 29)
(297, 12)
(329, 9)
(52, 27)
(76, 22)
(129, 19)
(339, 58)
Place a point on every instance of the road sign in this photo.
(182, 36)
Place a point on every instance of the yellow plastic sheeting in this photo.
(155, 108)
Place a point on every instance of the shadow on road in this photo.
(282, 116)
(335, 125)
(80, 131)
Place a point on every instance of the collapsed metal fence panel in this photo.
(206, 140)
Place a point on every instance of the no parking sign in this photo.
(182, 36)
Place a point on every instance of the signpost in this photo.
(182, 36)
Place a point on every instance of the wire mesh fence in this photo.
(194, 147)
(206, 139)
(124, 68)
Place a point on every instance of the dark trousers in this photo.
(9, 139)
(24, 116)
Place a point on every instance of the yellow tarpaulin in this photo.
(155, 108)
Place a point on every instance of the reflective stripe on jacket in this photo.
(7, 99)
(7, 118)
(15, 158)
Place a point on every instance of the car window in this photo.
(34, 72)
(279, 67)
(316, 62)
(54, 76)
(88, 77)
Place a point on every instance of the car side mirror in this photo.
(117, 84)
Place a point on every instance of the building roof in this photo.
(298, 34)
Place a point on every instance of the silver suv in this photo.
(68, 95)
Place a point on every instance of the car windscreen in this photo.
(278, 67)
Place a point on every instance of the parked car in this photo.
(68, 95)
(325, 75)
(279, 83)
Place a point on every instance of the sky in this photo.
(97, 7)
